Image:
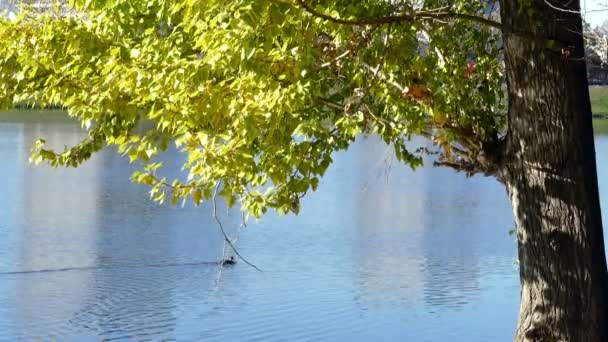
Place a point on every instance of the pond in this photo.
(378, 252)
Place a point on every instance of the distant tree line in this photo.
(597, 53)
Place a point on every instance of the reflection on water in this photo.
(378, 252)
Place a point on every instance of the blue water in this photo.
(378, 253)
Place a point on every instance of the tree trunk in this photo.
(550, 174)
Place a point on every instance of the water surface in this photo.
(378, 252)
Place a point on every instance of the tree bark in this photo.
(550, 173)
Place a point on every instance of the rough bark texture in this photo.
(551, 176)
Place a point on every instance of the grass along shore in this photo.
(599, 100)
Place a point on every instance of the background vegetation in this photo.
(599, 100)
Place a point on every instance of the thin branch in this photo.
(423, 15)
(376, 73)
(469, 169)
(560, 9)
(224, 232)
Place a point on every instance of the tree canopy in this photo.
(259, 94)
(597, 43)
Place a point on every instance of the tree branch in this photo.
(470, 169)
(226, 238)
(422, 15)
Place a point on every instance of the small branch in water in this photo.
(228, 241)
